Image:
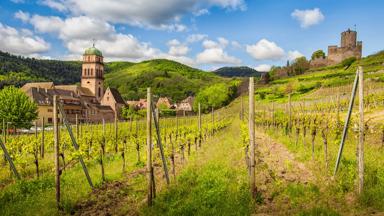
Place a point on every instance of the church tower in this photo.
(92, 75)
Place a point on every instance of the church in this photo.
(87, 102)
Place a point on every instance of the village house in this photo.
(87, 102)
(185, 107)
(164, 102)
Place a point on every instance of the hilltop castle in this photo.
(349, 47)
(88, 102)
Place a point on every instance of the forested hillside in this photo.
(237, 72)
(166, 77)
(18, 70)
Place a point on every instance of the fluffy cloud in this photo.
(164, 14)
(196, 38)
(265, 50)
(263, 68)
(22, 16)
(216, 56)
(292, 55)
(57, 5)
(117, 47)
(308, 18)
(176, 48)
(72, 28)
(77, 33)
(214, 53)
(21, 42)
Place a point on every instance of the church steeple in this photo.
(93, 71)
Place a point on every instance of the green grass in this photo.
(212, 183)
(37, 196)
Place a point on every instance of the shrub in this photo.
(347, 62)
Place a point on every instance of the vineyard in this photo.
(110, 151)
(314, 154)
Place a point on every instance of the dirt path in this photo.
(276, 169)
(113, 197)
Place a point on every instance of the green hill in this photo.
(242, 71)
(18, 70)
(325, 77)
(166, 77)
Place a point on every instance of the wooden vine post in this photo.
(9, 159)
(149, 147)
(361, 131)
(359, 82)
(116, 131)
(57, 150)
(102, 152)
(74, 142)
(290, 112)
(157, 126)
(346, 124)
(199, 124)
(42, 150)
(77, 127)
(36, 151)
(241, 108)
(252, 135)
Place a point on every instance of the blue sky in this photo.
(206, 34)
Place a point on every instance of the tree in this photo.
(300, 65)
(318, 54)
(17, 108)
(214, 96)
(130, 112)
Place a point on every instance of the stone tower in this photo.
(349, 47)
(92, 76)
(348, 38)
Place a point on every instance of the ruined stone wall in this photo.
(318, 62)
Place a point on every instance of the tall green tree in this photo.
(215, 96)
(17, 108)
(318, 54)
(299, 66)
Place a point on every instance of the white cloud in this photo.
(21, 42)
(73, 28)
(265, 50)
(209, 44)
(57, 5)
(176, 48)
(118, 46)
(77, 34)
(162, 14)
(201, 12)
(45, 24)
(236, 44)
(214, 53)
(216, 56)
(196, 38)
(308, 18)
(292, 55)
(223, 42)
(22, 16)
(263, 68)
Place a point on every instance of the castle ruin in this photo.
(349, 47)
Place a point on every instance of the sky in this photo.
(206, 34)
